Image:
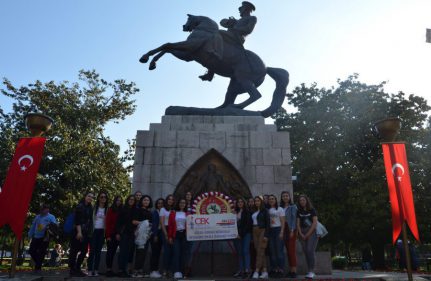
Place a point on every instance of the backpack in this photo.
(69, 224)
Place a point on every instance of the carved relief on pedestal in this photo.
(213, 172)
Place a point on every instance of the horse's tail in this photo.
(281, 78)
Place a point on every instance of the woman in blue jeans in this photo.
(242, 243)
(276, 236)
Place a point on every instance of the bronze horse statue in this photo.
(213, 49)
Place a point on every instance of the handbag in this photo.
(321, 230)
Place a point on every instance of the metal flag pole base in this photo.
(407, 252)
(14, 258)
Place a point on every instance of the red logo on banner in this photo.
(400, 189)
(16, 193)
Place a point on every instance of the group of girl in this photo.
(260, 220)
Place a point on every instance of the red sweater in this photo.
(110, 222)
(172, 224)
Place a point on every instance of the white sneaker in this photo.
(264, 275)
(178, 275)
(310, 275)
(155, 274)
(96, 273)
(255, 275)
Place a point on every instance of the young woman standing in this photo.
(261, 225)
(290, 231)
(156, 239)
(126, 235)
(276, 235)
(98, 237)
(143, 214)
(250, 206)
(110, 234)
(177, 237)
(242, 243)
(306, 224)
(168, 248)
(83, 227)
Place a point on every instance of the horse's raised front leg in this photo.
(249, 87)
(146, 57)
(155, 59)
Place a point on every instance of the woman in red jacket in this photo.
(177, 237)
(110, 234)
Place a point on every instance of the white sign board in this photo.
(211, 227)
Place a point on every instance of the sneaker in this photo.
(310, 275)
(155, 274)
(178, 275)
(238, 274)
(264, 275)
(137, 274)
(255, 275)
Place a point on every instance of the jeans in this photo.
(112, 249)
(78, 251)
(242, 247)
(276, 256)
(168, 250)
(127, 243)
(309, 248)
(38, 251)
(180, 248)
(140, 257)
(96, 244)
(156, 248)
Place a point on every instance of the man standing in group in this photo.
(39, 244)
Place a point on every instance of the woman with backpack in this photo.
(110, 234)
(306, 224)
(82, 230)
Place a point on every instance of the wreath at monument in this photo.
(209, 203)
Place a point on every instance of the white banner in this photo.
(211, 227)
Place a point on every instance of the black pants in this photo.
(78, 251)
(140, 257)
(156, 248)
(37, 251)
(112, 249)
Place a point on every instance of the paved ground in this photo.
(336, 275)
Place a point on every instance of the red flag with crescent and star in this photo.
(400, 189)
(18, 187)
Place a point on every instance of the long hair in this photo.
(114, 206)
(126, 203)
(142, 200)
(262, 204)
(98, 201)
(276, 203)
(245, 207)
(308, 205)
(166, 202)
(157, 202)
(282, 204)
(177, 205)
(82, 201)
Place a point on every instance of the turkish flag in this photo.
(400, 189)
(18, 187)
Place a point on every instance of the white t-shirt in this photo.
(275, 215)
(165, 214)
(180, 219)
(254, 217)
(99, 220)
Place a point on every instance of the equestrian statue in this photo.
(222, 52)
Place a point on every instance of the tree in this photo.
(78, 156)
(338, 160)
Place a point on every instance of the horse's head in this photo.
(192, 22)
(200, 22)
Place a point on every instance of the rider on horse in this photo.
(237, 30)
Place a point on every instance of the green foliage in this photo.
(78, 156)
(338, 160)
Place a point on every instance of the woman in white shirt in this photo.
(276, 235)
(177, 237)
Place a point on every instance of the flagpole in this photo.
(388, 129)
(37, 124)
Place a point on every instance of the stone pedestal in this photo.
(166, 151)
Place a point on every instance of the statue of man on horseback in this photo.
(222, 53)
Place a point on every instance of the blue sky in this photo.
(315, 40)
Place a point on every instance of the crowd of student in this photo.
(265, 227)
